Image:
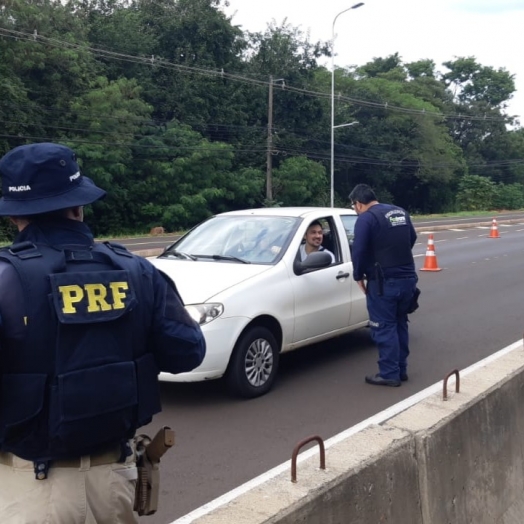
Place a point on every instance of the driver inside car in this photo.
(313, 241)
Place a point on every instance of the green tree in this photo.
(182, 178)
(18, 114)
(480, 95)
(175, 126)
(300, 182)
(195, 41)
(118, 26)
(470, 82)
(52, 63)
(508, 196)
(401, 145)
(475, 193)
(107, 122)
(284, 55)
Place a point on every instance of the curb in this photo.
(488, 223)
(148, 252)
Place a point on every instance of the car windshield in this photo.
(247, 239)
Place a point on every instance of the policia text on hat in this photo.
(85, 329)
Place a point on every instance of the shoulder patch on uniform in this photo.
(88, 297)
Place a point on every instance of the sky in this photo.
(439, 30)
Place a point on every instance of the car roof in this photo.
(290, 211)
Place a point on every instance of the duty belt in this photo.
(96, 459)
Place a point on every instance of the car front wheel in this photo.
(254, 363)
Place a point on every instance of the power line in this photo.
(287, 152)
(278, 151)
(229, 148)
(140, 60)
(139, 121)
(162, 63)
(401, 163)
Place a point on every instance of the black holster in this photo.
(148, 453)
(379, 277)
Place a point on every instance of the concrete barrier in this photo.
(423, 461)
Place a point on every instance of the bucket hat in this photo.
(44, 177)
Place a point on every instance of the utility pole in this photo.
(269, 158)
(269, 154)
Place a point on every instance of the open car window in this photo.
(329, 238)
(349, 225)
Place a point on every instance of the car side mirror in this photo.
(317, 260)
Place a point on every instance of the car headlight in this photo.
(204, 313)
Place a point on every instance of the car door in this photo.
(359, 311)
(323, 296)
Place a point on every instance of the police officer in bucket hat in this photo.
(85, 328)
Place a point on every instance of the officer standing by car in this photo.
(85, 329)
(384, 268)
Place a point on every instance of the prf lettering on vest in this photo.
(95, 294)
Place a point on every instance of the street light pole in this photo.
(269, 153)
(333, 101)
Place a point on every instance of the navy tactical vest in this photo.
(392, 245)
(80, 378)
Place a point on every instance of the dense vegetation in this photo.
(166, 104)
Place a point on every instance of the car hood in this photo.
(199, 281)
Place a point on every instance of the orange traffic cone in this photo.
(494, 233)
(430, 262)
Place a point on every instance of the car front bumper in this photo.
(221, 335)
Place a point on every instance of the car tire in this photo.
(254, 363)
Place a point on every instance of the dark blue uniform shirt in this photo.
(367, 228)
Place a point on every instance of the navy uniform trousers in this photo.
(389, 323)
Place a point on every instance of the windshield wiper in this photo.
(225, 257)
(180, 254)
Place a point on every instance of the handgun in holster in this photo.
(148, 454)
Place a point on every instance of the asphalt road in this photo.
(469, 310)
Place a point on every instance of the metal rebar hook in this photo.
(445, 385)
(297, 449)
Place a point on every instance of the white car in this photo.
(241, 277)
